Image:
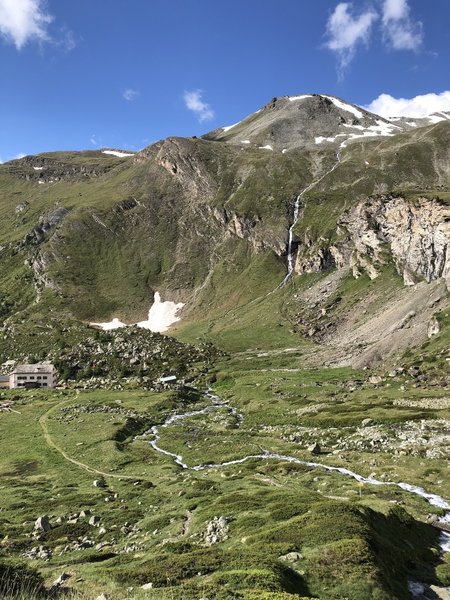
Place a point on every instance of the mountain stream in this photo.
(217, 402)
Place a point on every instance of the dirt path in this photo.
(52, 444)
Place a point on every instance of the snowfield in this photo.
(160, 317)
(117, 153)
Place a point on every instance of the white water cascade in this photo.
(290, 253)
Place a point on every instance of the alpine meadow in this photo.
(250, 331)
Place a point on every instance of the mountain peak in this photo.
(289, 122)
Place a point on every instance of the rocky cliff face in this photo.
(416, 234)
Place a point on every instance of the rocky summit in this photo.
(251, 332)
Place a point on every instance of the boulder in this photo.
(315, 449)
(147, 586)
(94, 520)
(291, 557)
(42, 524)
(99, 483)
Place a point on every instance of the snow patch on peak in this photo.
(344, 106)
(117, 153)
(436, 118)
(230, 126)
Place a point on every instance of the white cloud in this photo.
(24, 20)
(346, 30)
(17, 156)
(130, 94)
(419, 106)
(93, 140)
(400, 32)
(194, 102)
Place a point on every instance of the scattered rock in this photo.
(291, 557)
(433, 327)
(315, 449)
(38, 553)
(42, 524)
(99, 483)
(59, 583)
(216, 531)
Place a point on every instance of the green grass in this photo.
(358, 545)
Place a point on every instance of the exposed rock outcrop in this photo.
(416, 234)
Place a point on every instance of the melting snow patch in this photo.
(38, 168)
(161, 315)
(435, 118)
(284, 151)
(114, 324)
(245, 141)
(321, 139)
(117, 153)
(230, 126)
(344, 106)
(266, 147)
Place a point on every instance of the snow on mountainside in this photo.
(117, 153)
(314, 119)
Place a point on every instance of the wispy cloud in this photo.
(22, 21)
(67, 40)
(93, 140)
(418, 106)
(400, 31)
(346, 30)
(130, 94)
(19, 155)
(193, 101)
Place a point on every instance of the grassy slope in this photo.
(273, 507)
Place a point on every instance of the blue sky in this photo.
(110, 73)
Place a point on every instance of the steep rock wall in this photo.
(416, 234)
